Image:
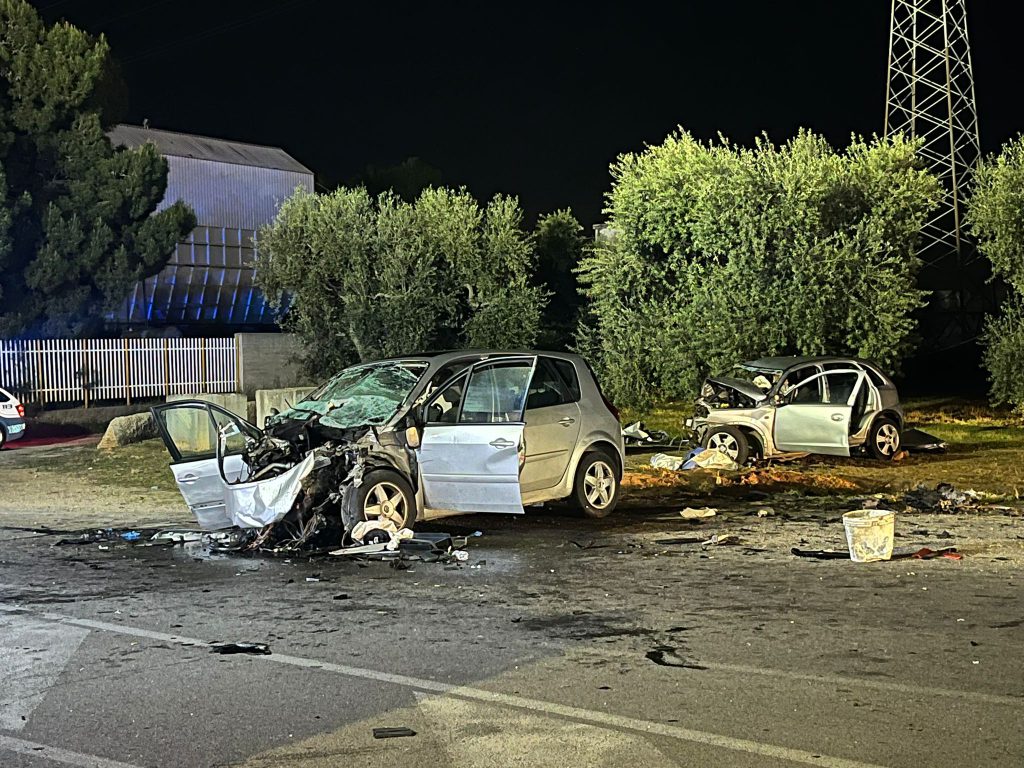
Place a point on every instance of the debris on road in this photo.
(392, 733)
(943, 498)
(636, 435)
(698, 458)
(918, 441)
(821, 554)
(870, 534)
(698, 513)
(256, 649)
(666, 656)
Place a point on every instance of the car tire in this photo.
(730, 441)
(595, 490)
(884, 439)
(3, 436)
(389, 492)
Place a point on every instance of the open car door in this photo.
(471, 450)
(190, 431)
(816, 415)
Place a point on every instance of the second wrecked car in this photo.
(401, 440)
(827, 405)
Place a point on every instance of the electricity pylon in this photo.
(930, 96)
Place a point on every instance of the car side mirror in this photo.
(412, 437)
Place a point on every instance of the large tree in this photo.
(561, 246)
(720, 253)
(996, 217)
(77, 222)
(366, 277)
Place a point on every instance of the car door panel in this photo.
(550, 438)
(472, 467)
(819, 427)
(469, 456)
(189, 433)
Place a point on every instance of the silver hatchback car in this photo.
(406, 439)
(827, 405)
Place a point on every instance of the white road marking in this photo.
(33, 654)
(58, 755)
(577, 714)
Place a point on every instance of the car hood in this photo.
(745, 388)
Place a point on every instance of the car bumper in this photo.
(15, 428)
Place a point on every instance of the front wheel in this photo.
(387, 497)
(884, 439)
(596, 488)
(730, 441)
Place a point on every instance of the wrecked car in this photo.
(399, 441)
(828, 405)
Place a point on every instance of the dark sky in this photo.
(533, 100)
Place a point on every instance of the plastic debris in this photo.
(392, 733)
(821, 554)
(130, 535)
(256, 649)
(666, 656)
(698, 513)
(460, 555)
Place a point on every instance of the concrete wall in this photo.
(236, 404)
(277, 398)
(268, 361)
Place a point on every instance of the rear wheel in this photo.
(386, 496)
(730, 441)
(3, 436)
(884, 440)
(596, 488)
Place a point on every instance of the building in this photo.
(207, 285)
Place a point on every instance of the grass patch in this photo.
(142, 465)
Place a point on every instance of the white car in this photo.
(12, 418)
(403, 440)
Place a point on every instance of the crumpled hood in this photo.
(745, 388)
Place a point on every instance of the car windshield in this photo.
(762, 378)
(359, 396)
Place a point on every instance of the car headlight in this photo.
(707, 390)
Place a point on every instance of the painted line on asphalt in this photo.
(58, 755)
(593, 717)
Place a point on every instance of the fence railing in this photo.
(94, 370)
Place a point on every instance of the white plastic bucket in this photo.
(869, 534)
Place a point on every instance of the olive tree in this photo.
(996, 217)
(364, 277)
(719, 253)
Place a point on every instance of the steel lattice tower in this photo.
(930, 96)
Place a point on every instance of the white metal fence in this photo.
(95, 370)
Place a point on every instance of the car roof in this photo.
(455, 354)
(788, 361)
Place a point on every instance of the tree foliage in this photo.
(561, 246)
(372, 277)
(721, 253)
(996, 217)
(76, 223)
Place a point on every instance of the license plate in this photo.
(16, 428)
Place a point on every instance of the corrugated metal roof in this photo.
(206, 148)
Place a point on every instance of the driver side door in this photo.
(471, 450)
(190, 431)
(816, 414)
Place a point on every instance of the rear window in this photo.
(4, 397)
(568, 373)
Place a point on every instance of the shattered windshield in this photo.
(359, 396)
(762, 378)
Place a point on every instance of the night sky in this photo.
(533, 100)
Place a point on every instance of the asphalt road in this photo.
(537, 656)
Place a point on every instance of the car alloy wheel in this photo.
(887, 439)
(386, 502)
(725, 443)
(599, 484)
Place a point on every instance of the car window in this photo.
(444, 408)
(497, 393)
(569, 376)
(235, 443)
(547, 388)
(191, 430)
(4, 397)
(809, 392)
(841, 386)
(875, 376)
(445, 372)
